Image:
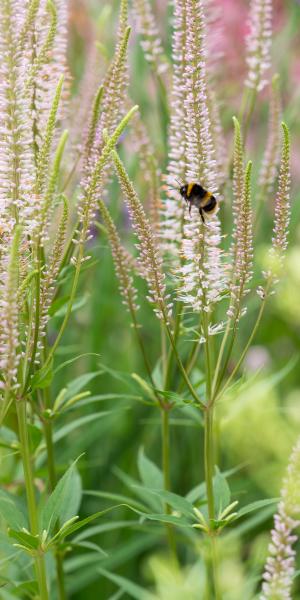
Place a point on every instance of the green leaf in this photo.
(177, 502)
(64, 501)
(79, 383)
(150, 474)
(70, 361)
(118, 375)
(57, 304)
(217, 523)
(89, 546)
(8, 438)
(256, 506)
(221, 491)
(43, 377)
(139, 490)
(10, 512)
(250, 523)
(157, 374)
(82, 568)
(145, 386)
(29, 589)
(81, 422)
(113, 496)
(134, 590)
(151, 477)
(96, 529)
(79, 524)
(102, 398)
(178, 400)
(77, 304)
(25, 538)
(199, 491)
(117, 596)
(35, 436)
(164, 518)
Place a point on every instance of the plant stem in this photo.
(215, 562)
(166, 451)
(30, 494)
(209, 460)
(168, 370)
(164, 351)
(181, 367)
(166, 475)
(48, 430)
(69, 306)
(246, 111)
(254, 330)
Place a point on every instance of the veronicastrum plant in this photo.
(198, 280)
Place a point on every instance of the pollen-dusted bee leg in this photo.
(201, 215)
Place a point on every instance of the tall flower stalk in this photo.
(280, 565)
(258, 57)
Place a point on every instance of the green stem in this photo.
(141, 345)
(50, 454)
(166, 451)
(181, 367)
(254, 330)
(168, 370)
(69, 307)
(37, 317)
(48, 431)
(166, 476)
(164, 352)
(209, 460)
(215, 562)
(39, 560)
(220, 356)
(251, 104)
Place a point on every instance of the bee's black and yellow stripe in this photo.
(190, 188)
(208, 203)
(197, 196)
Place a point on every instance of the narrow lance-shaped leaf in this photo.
(58, 504)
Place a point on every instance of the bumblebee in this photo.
(195, 195)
